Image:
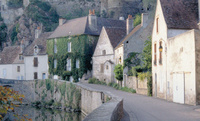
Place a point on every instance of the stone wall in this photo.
(139, 85)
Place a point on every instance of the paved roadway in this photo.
(144, 108)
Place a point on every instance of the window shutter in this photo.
(35, 62)
(102, 68)
(35, 75)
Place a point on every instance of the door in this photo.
(43, 76)
(155, 85)
(178, 88)
(4, 73)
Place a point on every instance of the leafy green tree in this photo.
(132, 60)
(119, 73)
(146, 55)
(137, 19)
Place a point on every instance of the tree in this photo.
(119, 73)
(146, 55)
(7, 98)
(137, 19)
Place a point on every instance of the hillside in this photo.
(22, 20)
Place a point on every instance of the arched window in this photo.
(155, 54)
(157, 25)
(160, 52)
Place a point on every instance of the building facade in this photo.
(103, 58)
(175, 40)
(71, 46)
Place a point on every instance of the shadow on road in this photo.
(126, 116)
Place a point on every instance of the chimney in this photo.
(92, 20)
(38, 31)
(61, 21)
(22, 46)
(129, 24)
(144, 19)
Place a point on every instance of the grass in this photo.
(111, 84)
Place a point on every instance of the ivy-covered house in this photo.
(71, 46)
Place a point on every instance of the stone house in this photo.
(12, 63)
(103, 58)
(133, 41)
(36, 58)
(71, 46)
(175, 51)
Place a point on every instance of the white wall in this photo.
(181, 59)
(98, 58)
(18, 75)
(11, 71)
(30, 69)
(8, 71)
(160, 70)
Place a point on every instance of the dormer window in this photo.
(21, 57)
(35, 50)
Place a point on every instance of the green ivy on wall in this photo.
(82, 48)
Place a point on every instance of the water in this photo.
(44, 114)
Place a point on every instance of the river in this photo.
(44, 114)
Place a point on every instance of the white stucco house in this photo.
(103, 58)
(12, 63)
(36, 58)
(175, 51)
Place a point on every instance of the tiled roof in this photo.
(115, 35)
(129, 35)
(10, 54)
(40, 42)
(80, 26)
(180, 14)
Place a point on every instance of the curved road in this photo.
(144, 108)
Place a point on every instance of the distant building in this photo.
(73, 43)
(103, 58)
(134, 41)
(36, 58)
(175, 51)
(12, 63)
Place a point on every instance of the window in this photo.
(55, 63)
(104, 52)
(18, 68)
(68, 66)
(21, 57)
(160, 52)
(101, 68)
(155, 58)
(35, 75)
(35, 50)
(35, 62)
(69, 46)
(157, 25)
(55, 46)
(43, 76)
(77, 63)
(107, 67)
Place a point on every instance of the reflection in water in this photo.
(45, 114)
